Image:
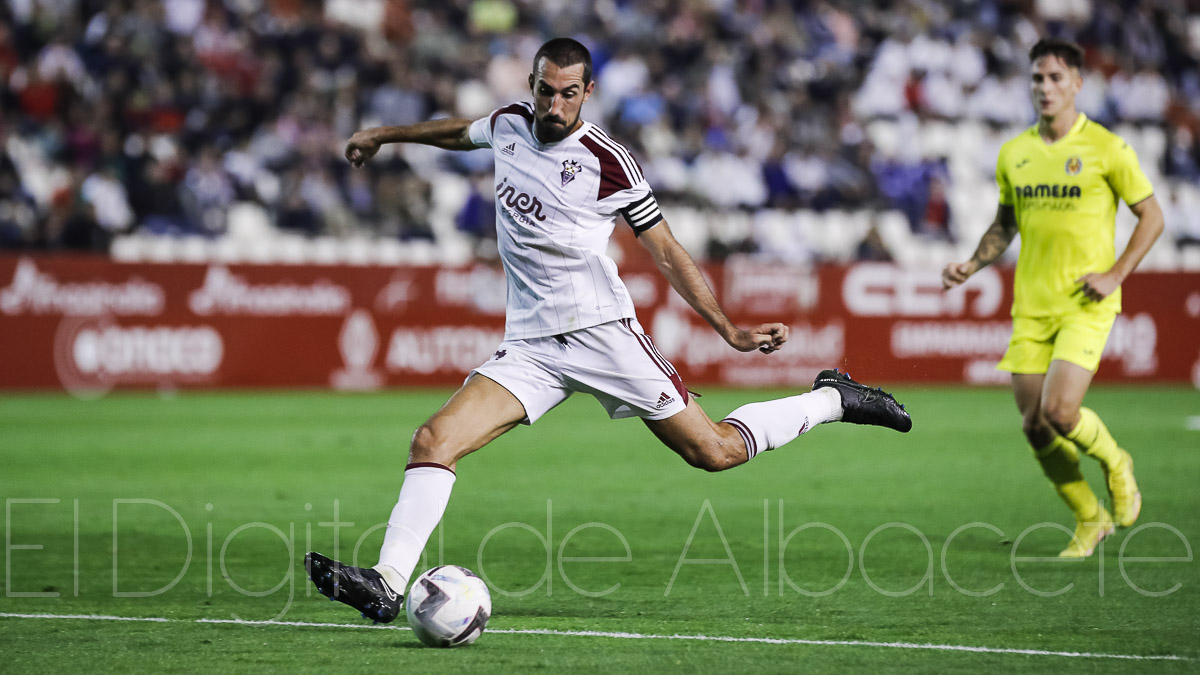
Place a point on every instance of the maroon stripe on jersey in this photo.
(613, 178)
(747, 437)
(662, 364)
(632, 163)
(430, 465)
(514, 109)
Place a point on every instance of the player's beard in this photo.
(547, 132)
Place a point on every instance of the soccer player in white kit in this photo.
(570, 325)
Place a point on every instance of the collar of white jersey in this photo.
(573, 136)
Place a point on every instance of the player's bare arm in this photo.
(448, 134)
(993, 243)
(680, 270)
(1099, 285)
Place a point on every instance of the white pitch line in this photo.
(93, 617)
(302, 624)
(637, 636)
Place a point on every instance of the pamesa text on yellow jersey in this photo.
(1065, 197)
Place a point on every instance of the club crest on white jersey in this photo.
(569, 171)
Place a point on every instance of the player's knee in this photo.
(1037, 430)
(429, 446)
(1060, 417)
(711, 463)
(712, 456)
(1032, 425)
(715, 463)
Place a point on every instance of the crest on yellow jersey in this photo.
(1074, 166)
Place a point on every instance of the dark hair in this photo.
(1069, 52)
(564, 52)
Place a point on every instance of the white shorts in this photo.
(615, 362)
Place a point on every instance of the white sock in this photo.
(423, 499)
(770, 424)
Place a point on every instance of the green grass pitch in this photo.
(584, 524)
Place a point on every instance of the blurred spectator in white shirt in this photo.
(1140, 96)
(106, 194)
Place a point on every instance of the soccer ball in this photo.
(448, 606)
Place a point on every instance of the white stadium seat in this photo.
(1189, 259)
(387, 252)
(228, 251)
(325, 251)
(356, 250)
(127, 248)
(194, 249)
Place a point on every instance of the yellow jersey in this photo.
(1065, 196)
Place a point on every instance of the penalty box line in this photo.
(629, 636)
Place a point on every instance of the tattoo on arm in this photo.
(997, 237)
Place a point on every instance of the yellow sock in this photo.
(1080, 499)
(1093, 438)
(1060, 463)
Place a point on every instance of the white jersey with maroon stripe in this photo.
(556, 206)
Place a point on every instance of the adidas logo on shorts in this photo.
(664, 400)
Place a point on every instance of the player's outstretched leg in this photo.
(864, 405)
(360, 587)
(756, 428)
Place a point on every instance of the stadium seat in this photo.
(1164, 255)
(1154, 140)
(228, 251)
(729, 227)
(689, 228)
(772, 232)
(259, 251)
(325, 251)
(421, 252)
(809, 227)
(454, 250)
(841, 231)
(293, 249)
(885, 136)
(127, 248)
(356, 250)
(388, 252)
(163, 249)
(937, 139)
(1189, 259)
(193, 249)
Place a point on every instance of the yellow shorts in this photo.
(1077, 337)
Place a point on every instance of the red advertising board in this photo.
(87, 324)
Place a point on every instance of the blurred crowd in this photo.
(163, 115)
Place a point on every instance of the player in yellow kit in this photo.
(1060, 182)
